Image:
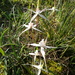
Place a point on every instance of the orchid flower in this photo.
(29, 26)
(42, 43)
(38, 12)
(39, 67)
(36, 53)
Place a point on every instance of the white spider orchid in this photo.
(53, 9)
(35, 54)
(37, 12)
(30, 26)
(39, 67)
(42, 43)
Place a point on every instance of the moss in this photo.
(55, 67)
(2, 67)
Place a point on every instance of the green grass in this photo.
(59, 31)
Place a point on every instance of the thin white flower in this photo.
(38, 12)
(35, 54)
(30, 26)
(39, 67)
(42, 43)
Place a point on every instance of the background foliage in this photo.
(60, 31)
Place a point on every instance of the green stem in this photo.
(38, 4)
(54, 3)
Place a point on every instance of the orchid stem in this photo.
(37, 9)
(54, 3)
(38, 4)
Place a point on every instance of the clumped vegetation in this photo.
(48, 25)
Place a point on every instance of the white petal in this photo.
(49, 9)
(25, 25)
(24, 31)
(43, 16)
(43, 10)
(56, 10)
(39, 72)
(33, 17)
(35, 25)
(36, 66)
(34, 44)
(53, 8)
(45, 41)
(36, 52)
(32, 53)
(42, 52)
(50, 47)
(34, 58)
(32, 10)
(43, 55)
(37, 29)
